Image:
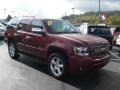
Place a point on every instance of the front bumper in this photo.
(76, 64)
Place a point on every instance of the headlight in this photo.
(81, 51)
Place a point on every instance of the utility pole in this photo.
(99, 7)
(13, 13)
(99, 10)
(65, 15)
(4, 13)
(73, 15)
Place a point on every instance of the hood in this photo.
(84, 39)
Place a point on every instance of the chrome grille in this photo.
(99, 51)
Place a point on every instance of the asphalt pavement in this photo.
(27, 74)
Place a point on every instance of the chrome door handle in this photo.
(28, 37)
(16, 34)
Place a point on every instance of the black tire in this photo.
(63, 62)
(12, 49)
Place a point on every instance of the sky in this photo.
(53, 8)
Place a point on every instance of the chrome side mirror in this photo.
(38, 30)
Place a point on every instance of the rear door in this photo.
(36, 42)
(20, 35)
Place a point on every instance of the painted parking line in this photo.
(115, 59)
(114, 54)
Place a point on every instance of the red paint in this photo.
(38, 45)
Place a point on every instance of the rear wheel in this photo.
(12, 49)
(57, 66)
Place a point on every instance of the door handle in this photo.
(28, 37)
(16, 34)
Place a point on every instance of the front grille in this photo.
(99, 51)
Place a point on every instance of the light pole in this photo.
(73, 10)
(4, 12)
(65, 15)
(99, 7)
(73, 15)
(13, 13)
(99, 10)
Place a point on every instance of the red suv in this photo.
(59, 43)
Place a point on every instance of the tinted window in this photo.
(36, 23)
(99, 30)
(14, 22)
(23, 24)
(117, 30)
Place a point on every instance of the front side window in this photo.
(36, 25)
(59, 27)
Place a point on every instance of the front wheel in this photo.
(12, 49)
(57, 66)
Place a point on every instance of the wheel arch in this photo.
(10, 40)
(54, 49)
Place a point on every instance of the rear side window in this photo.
(23, 24)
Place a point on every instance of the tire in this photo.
(12, 49)
(57, 66)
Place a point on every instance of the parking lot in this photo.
(27, 74)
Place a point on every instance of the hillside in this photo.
(113, 18)
(107, 12)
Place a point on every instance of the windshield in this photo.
(60, 27)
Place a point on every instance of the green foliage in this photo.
(92, 18)
(113, 20)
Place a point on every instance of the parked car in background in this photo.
(2, 30)
(60, 45)
(116, 32)
(101, 31)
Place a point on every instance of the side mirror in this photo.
(38, 31)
